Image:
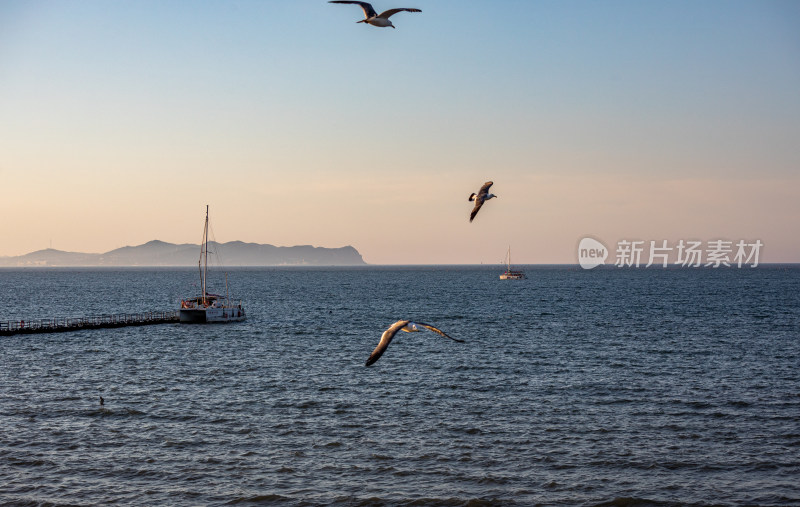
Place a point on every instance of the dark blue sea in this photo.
(615, 386)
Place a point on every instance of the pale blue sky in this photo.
(120, 120)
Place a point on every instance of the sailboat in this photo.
(510, 274)
(209, 307)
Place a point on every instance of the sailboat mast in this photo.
(205, 256)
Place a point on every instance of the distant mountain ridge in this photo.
(160, 253)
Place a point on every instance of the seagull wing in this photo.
(386, 339)
(478, 204)
(484, 191)
(391, 12)
(437, 331)
(369, 12)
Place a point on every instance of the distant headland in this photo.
(160, 253)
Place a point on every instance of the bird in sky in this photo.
(481, 197)
(373, 18)
(402, 325)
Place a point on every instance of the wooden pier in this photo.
(59, 325)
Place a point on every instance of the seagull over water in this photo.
(482, 196)
(373, 18)
(401, 325)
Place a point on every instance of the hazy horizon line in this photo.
(367, 265)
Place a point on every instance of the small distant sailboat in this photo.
(510, 274)
(208, 308)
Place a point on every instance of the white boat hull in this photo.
(211, 315)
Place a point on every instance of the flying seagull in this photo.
(401, 325)
(372, 17)
(482, 196)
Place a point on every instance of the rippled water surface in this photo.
(610, 386)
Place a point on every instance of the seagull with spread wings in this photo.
(373, 18)
(402, 325)
(481, 197)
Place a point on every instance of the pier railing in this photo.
(61, 324)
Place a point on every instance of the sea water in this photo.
(604, 387)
